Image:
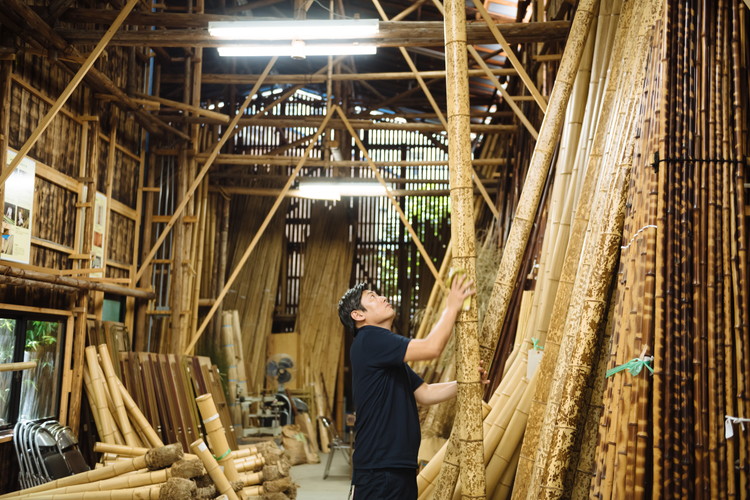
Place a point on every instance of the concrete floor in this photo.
(312, 486)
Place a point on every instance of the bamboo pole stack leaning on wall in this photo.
(521, 228)
(321, 335)
(691, 200)
(555, 454)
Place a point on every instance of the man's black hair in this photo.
(351, 301)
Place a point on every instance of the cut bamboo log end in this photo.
(217, 438)
(212, 467)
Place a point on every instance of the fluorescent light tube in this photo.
(306, 29)
(296, 50)
(332, 190)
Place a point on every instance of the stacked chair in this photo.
(46, 451)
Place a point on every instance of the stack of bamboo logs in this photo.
(168, 473)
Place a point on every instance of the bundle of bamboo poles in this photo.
(117, 418)
(588, 140)
(500, 452)
(166, 473)
(235, 363)
(257, 282)
(326, 254)
(685, 292)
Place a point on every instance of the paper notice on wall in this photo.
(99, 234)
(17, 211)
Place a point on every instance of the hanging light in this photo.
(293, 37)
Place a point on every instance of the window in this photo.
(31, 394)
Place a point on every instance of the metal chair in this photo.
(335, 443)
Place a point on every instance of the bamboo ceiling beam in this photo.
(69, 89)
(39, 30)
(511, 55)
(439, 114)
(244, 79)
(259, 233)
(506, 97)
(185, 107)
(188, 195)
(190, 30)
(314, 121)
(239, 159)
(295, 193)
(80, 284)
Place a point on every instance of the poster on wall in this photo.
(17, 211)
(99, 234)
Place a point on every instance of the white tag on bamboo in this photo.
(729, 427)
(535, 358)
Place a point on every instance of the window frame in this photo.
(65, 343)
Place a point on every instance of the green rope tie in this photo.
(225, 455)
(536, 345)
(634, 366)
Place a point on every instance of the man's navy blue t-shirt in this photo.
(387, 422)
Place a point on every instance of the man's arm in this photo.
(433, 344)
(430, 394)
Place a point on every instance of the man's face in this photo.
(377, 310)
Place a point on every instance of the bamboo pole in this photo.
(216, 435)
(531, 193)
(223, 485)
(22, 365)
(528, 203)
(463, 243)
(114, 390)
(78, 283)
(156, 458)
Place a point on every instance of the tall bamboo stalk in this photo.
(469, 416)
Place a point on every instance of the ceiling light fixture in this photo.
(329, 189)
(296, 38)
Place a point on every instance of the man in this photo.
(386, 390)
